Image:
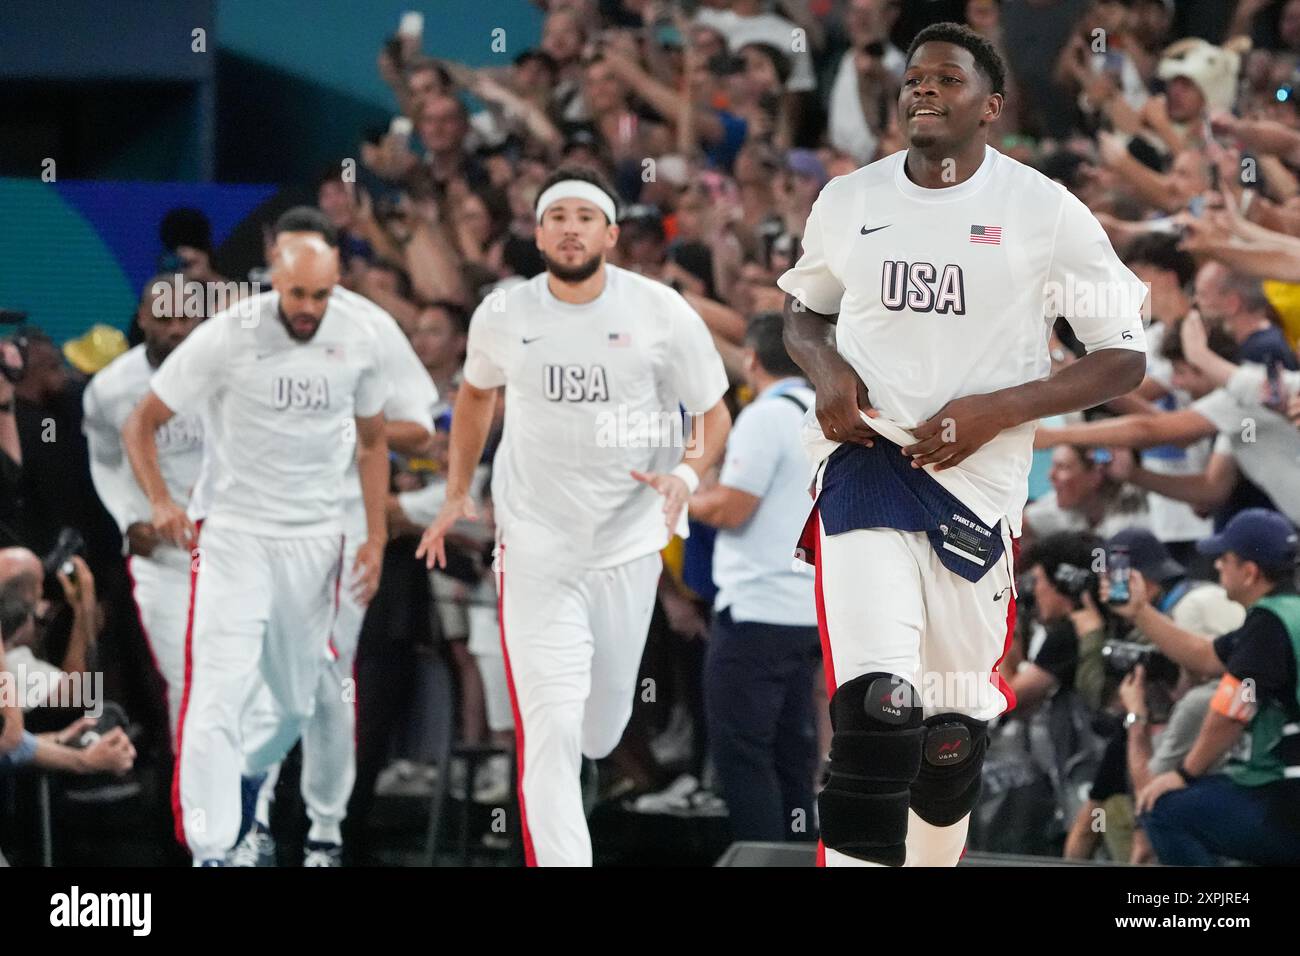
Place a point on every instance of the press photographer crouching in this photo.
(74, 741)
(80, 747)
(52, 614)
(1069, 628)
(1251, 810)
(1163, 703)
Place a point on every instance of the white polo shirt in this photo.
(752, 564)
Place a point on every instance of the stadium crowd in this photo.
(1177, 123)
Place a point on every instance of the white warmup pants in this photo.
(573, 641)
(261, 609)
(329, 754)
(160, 587)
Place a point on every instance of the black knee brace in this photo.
(948, 785)
(875, 755)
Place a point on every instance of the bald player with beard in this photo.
(287, 389)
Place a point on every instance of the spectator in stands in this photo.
(1168, 271)
(1084, 496)
(1259, 442)
(443, 128)
(1238, 303)
(865, 87)
(1251, 811)
(438, 338)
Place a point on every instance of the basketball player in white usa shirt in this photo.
(329, 739)
(289, 391)
(920, 311)
(159, 571)
(597, 363)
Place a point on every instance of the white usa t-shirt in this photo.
(941, 294)
(410, 395)
(109, 399)
(592, 392)
(278, 414)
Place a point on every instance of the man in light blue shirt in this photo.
(763, 653)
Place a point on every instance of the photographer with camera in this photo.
(1250, 811)
(29, 618)
(1163, 702)
(1066, 606)
(77, 748)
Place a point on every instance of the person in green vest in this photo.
(1251, 810)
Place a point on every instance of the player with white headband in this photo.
(609, 376)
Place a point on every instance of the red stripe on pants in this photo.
(823, 632)
(178, 813)
(996, 677)
(530, 857)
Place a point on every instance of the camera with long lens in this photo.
(1120, 657)
(1074, 582)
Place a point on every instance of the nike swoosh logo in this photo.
(867, 232)
(533, 339)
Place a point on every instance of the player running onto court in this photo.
(289, 391)
(159, 571)
(597, 362)
(918, 311)
(329, 738)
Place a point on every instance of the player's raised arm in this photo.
(471, 420)
(169, 518)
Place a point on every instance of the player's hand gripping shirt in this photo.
(593, 391)
(943, 293)
(278, 414)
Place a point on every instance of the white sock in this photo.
(928, 845)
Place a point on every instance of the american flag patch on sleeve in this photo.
(989, 235)
(619, 339)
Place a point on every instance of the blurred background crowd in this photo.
(719, 121)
